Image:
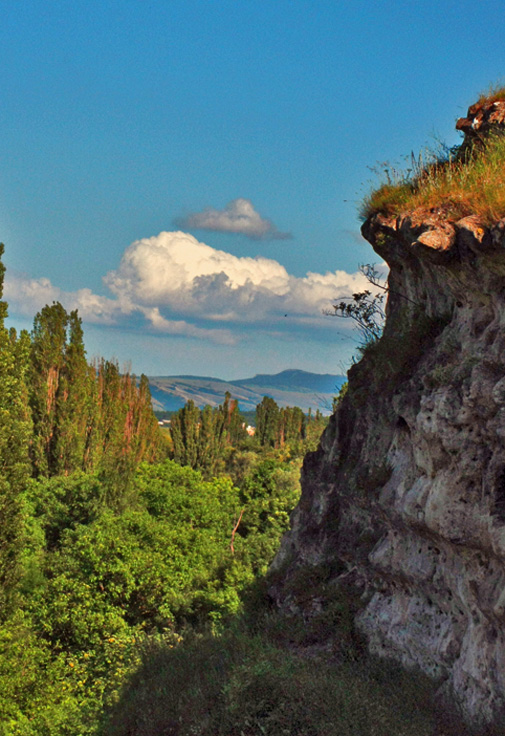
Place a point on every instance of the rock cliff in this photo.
(404, 501)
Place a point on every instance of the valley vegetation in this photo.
(117, 537)
(133, 599)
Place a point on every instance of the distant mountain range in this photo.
(288, 388)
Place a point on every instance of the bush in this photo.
(494, 93)
(97, 582)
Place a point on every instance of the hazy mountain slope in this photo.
(288, 388)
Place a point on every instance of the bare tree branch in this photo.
(234, 531)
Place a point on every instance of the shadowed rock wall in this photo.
(404, 501)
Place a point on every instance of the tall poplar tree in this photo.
(49, 337)
(72, 402)
(148, 440)
(14, 440)
(230, 421)
(184, 429)
(127, 427)
(267, 423)
(292, 425)
(208, 441)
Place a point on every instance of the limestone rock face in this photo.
(405, 498)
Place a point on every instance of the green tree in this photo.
(148, 440)
(233, 422)
(14, 438)
(115, 426)
(208, 441)
(72, 402)
(267, 423)
(268, 495)
(49, 337)
(292, 426)
(184, 430)
(200, 438)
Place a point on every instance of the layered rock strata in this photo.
(404, 501)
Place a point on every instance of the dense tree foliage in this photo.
(85, 417)
(14, 437)
(288, 426)
(267, 422)
(106, 546)
(208, 439)
(201, 436)
(99, 584)
(58, 378)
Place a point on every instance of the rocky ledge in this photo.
(404, 501)
(481, 119)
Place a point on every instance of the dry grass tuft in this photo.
(475, 186)
(493, 93)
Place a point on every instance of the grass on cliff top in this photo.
(493, 93)
(475, 186)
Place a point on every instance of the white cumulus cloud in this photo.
(27, 296)
(239, 216)
(175, 271)
(177, 285)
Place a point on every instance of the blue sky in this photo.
(246, 126)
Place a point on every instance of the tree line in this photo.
(58, 415)
(205, 438)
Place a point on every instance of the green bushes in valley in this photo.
(98, 585)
